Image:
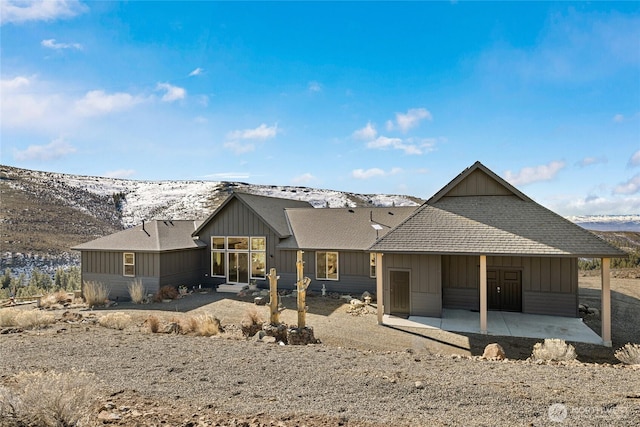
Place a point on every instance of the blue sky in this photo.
(368, 97)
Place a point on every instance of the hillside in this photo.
(43, 214)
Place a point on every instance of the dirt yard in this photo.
(361, 374)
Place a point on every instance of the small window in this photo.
(129, 260)
(372, 264)
(217, 243)
(238, 243)
(257, 243)
(327, 265)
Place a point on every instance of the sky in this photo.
(365, 97)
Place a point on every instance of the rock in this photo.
(107, 416)
(583, 308)
(259, 336)
(260, 301)
(419, 385)
(594, 311)
(172, 328)
(356, 303)
(269, 340)
(300, 336)
(494, 351)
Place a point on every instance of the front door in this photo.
(399, 286)
(238, 271)
(504, 290)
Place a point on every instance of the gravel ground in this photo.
(361, 375)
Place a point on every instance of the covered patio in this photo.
(502, 323)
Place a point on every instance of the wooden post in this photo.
(605, 309)
(483, 294)
(274, 318)
(302, 285)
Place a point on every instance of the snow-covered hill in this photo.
(608, 222)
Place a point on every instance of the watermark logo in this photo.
(557, 412)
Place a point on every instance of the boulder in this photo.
(260, 301)
(494, 351)
(356, 303)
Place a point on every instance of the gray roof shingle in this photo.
(341, 228)
(157, 236)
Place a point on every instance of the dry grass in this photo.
(117, 320)
(137, 292)
(206, 325)
(553, 349)
(48, 399)
(26, 319)
(95, 293)
(251, 322)
(55, 299)
(153, 323)
(629, 354)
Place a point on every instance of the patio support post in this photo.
(605, 309)
(483, 294)
(379, 288)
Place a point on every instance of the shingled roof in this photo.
(508, 223)
(154, 236)
(269, 209)
(341, 228)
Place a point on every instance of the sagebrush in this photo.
(116, 320)
(26, 319)
(166, 292)
(251, 322)
(54, 299)
(48, 399)
(95, 293)
(629, 354)
(554, 349)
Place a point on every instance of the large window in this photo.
(232, 256)
(327, 265)
(129, 264)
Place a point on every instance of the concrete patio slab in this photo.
(503, 324)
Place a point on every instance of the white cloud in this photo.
(596, 205)
(635, 159)
(14, 83)
(22, 105)
(196, 72)
(618, 118)
(228, 176)
(97, 102)
(368, 132)
(120, 173)
(383, 143)
(54, 150)
(632, 186)
(373, 172)
(314, 87)
(51, 44)
(19, 11)
(172, 93)
(588, 161)
(262, 132)
(532, 174)
(305, 178)
(409, 120)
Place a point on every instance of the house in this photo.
(157, 253)
(249, 234)
(481, 244)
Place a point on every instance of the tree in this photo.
(5, 280)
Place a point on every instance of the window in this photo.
(372, 264)
(238, 243)
(327, 265)
(129, 261)
(218, 258)
(258, 257)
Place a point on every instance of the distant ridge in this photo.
(607, 222)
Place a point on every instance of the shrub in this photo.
(137, 291)
(117, 320)
(166, 292)
(55, 298)
(251, 322)
(207, 325)
(553, 349)
(95, 294)
(8, 316)
(48, 399)
(629, 354)
(154, 324)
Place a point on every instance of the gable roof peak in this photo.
(499, 184)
